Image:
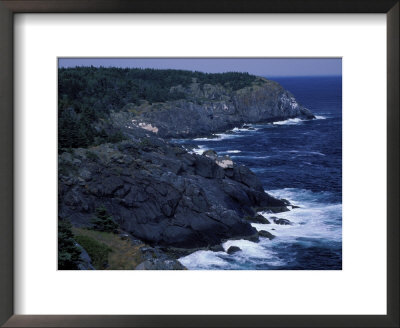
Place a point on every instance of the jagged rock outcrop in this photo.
(160, 193)
(212, 108)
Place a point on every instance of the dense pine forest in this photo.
(88, 94)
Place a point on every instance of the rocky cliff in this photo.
(210, 108)
(160, 193)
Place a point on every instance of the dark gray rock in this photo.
(210, 153)
(156, 264)
(163, 196)
(281, 221)
(85, 174)
(258, 219)
(254, 238)
(245, 176)
(85, 262)
(207, 168)
(236, 192)
(266, 234)
(233, 249)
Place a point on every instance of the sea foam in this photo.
(290, 121)
(219, 137)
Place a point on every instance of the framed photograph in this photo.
(197, 146)
(203, 164)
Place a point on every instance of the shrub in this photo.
(116, 137)
(145, 143)
(92, 156)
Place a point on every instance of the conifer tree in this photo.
(104, 221)
(68, 252)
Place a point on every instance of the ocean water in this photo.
(297, 160)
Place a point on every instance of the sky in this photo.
(257, 66)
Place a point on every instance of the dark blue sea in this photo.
(297, 160)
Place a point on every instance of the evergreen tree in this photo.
(104, 221)
(68, 252)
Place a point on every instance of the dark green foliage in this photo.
(73, 130)
(104, 221)
(116, 137)
(111, 137)
(68, 253)
(97, 251)
(145, 143)
(87, 94)
(103, 89)
(92, 156)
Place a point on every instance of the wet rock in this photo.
(266, 234)
(258, 219)
(254, 238)
(233, 249)
(281, 221)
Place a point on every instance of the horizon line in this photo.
(179, 69)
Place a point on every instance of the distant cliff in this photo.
(210, 108)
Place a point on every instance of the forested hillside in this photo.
(88, 94)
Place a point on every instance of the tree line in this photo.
(87, 94)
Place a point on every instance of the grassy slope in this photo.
(123, 256)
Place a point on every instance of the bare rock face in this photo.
(213, 108)
(161, 194)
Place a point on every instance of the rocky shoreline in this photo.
(210, 109)
(158, 193)
(167, 200)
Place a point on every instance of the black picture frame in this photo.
(10, 7)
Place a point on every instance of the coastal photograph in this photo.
(199, 164)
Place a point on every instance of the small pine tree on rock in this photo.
(68, 253)
(104, 221)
